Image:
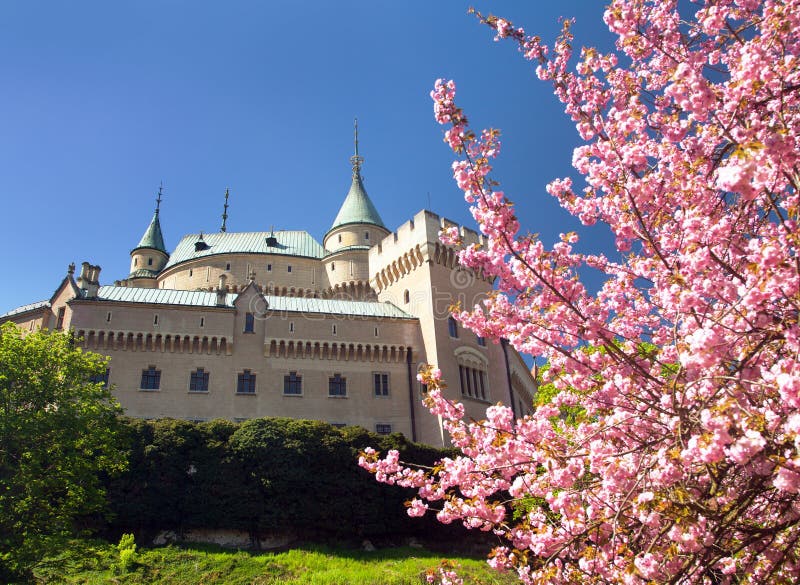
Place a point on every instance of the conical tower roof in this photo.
(153, 238)
(357, 206)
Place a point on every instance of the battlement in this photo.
(422, 229)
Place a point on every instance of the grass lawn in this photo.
(316, 565)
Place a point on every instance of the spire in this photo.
(357, 206)
(152, 237)
(356, 160)
(225, 211)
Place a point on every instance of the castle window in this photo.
(289, 268)
(452, 327)
(366, 236)
(136, 262)
(269, 267)
(473, 382)
(481, 340)
(406, 297)
(376, 332)
(155, 319)
(60, 318)
(108, 317)
(228, 266)
(291, 326)
(249, 323)
(100, 378)
(198, 381)
(333, 329)
(337, 386)
(191, 272)
(293, 384)
(383, 429)
(208, 273)
(202, 321)
(151, 379)
(333, 266)
(246, 383)
(340, 238)
(381, 383)
(149, 261)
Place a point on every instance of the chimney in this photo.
(89, 280)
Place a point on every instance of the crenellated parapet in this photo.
(146, 341)
(337, 351)
(414, 244)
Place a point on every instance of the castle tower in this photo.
(150, 256)
(412, 269)
(357, 227)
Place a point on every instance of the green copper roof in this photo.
(161, 296)
(143, 273)
(152, 237)
(289, 243)
(25, 308)
(357, 206)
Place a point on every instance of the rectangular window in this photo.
(381, 384)
(291, 327)
(151, 379)
(198, 381)
(383, 429)
(249, 322)
(366, 236)
(269, 267)
(482, 377)
(293, 384)
(337, 386)
(452, 327)
(228, 266)
(101, 378)
(60, 318)
(289, 268)
(333, 329)
(376, 332)
(155, 319)
(108, 317)
(191, 272)
(481, 341)
(202, 321)
(246, 383)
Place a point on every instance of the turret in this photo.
(357, 226)
(358, 223)
(150, 256)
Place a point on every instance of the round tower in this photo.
(150, 256)
(357, 227)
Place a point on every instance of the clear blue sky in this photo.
(103, 100)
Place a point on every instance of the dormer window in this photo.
(272, 241)
(200, 245)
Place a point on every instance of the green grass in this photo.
(94, 563)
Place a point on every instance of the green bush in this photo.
(127, 553)
(262, 475)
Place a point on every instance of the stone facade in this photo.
(239, 326)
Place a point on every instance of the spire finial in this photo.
(225, 211)
(356, 160)
(158, 199)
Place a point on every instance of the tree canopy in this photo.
(57, 434)
(684, 465)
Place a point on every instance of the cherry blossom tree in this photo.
(680, 460)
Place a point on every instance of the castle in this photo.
(244, 325)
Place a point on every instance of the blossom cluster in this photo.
(682, 463)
